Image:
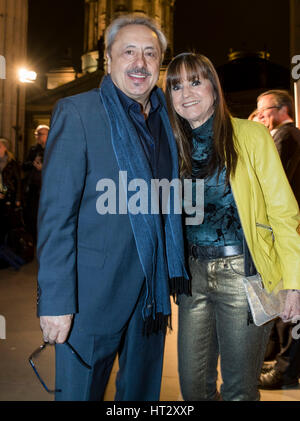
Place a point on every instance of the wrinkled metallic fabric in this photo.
(213, 323)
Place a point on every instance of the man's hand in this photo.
(37, 163)
(292, 305)
(56, 328)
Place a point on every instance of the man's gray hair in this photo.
(40, 127)
(133, 19)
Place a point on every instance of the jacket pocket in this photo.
(266, 241)
(267, 228)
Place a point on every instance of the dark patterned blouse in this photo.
(221, 225)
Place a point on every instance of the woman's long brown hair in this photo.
(224, 152)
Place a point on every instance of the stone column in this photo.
(13, 40)
(167, 24)
(90, 57)
(121, 6)
(140, 6)
(294, 27)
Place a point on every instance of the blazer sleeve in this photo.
(63, 179)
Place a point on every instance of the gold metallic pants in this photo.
(213, 323)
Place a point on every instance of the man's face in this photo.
(41, 136)
(268, 113)
(134, 61)
(2, 150)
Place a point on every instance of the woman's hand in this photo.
(292, 305)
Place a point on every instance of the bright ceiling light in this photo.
(27, 76)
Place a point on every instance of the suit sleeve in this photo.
(63, 179)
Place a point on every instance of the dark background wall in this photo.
(210, 27)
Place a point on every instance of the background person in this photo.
(32, 183)
(41, 135)
(245, 193)
(10, 188)
(103, 278)
(253, 116)
(275, 111)
(32, 180)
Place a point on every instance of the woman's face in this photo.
(2, 150)
(193, 100)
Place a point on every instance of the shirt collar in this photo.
(288, 121)
(273, 131)
(130, 104)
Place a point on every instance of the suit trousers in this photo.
(283, 348)
(140, 363)
(213, 323)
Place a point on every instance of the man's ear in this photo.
(108, 63)
(284, 112)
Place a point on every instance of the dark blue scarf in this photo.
(160, 249)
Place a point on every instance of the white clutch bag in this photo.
(264, 306)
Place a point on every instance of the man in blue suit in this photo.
(106, 273)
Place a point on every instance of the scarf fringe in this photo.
(178, 286)
(159, 324)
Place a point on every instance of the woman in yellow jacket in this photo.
(251, 224)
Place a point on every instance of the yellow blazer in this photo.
(268, 210)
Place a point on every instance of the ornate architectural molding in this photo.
(99, 14)
(13, 43)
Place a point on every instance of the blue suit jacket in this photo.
(88, 263)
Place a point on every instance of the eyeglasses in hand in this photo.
(38, 352)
